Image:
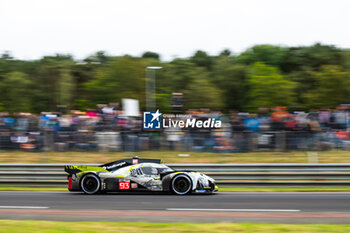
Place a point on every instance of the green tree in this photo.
(269, 88)
(15, 92)
(121, 78)
(268, 54)
(54, 83)
(201, 58)
(225, 52)
(346, 59)
(183, 76)
(232, 79)
(176, 76)
(332, 88)
(149, 54)
(304, 81)
(99, 58)
(66, 88)
(201, 93)
(310, 57)
(163, 102)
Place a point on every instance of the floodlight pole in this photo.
(151, 87)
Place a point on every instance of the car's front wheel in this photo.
(181, 185)
(90, 184)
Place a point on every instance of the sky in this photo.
(30, 29)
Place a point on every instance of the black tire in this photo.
(90, 184)
(181, 184)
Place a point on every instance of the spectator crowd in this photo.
(107, 128)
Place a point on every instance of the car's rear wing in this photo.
(74, 169)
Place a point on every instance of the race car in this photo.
(136, 174)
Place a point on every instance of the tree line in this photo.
(306, 77)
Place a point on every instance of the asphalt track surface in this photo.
(220, 207)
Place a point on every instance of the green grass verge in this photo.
(9, 188)
(223, 189)
(28, 226)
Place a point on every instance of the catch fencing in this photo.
(229, 175)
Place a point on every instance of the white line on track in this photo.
(232, 210)
(23, 207)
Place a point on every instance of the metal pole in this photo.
(148, 92)
(151, 87)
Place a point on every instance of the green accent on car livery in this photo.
(87, 168)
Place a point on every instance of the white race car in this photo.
(136, 174)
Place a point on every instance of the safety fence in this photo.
(225, 141)
(313, 175)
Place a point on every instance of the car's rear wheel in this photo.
(90, 184)
(181, 185)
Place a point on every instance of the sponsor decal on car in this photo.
(114, 165)
(133, 185)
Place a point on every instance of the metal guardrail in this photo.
(53, 175)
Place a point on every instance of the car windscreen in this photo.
(155, 170)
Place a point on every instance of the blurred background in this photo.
(269, 98)
(76, 76)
